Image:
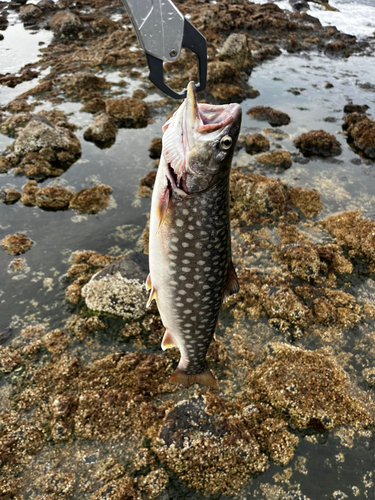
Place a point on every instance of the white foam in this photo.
(354, 17)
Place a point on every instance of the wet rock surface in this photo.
(92, 200)
(16, 244)
(103, 130)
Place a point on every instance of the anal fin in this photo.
(152, 296)
(168, 341)
(180, 377)
(232, 285)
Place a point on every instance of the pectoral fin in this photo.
(148, 282)
(152, 296)
(168, 341)
(232, 282)
(162, 206)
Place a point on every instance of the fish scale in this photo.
(191, 269)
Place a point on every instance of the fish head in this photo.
(199, 142)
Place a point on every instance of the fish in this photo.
(190, 260)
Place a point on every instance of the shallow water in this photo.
(324, 466)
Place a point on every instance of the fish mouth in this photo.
(206, 118)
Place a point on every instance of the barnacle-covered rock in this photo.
(284, 304)
(362, 133)
(53, 198)
(302, 260)
(65, 23)
(318, 142)
(236, 50)
(309, 386)
(256, 143)
(276, 158)
(9, 196)
(102, 130)
(272, 116)
(92, 200)
(16, 244)
(128, 112)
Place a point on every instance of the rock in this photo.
(13, 124)
(226, 93)
(29, 14)
(91, 201)
(223, 72)
(1, 36)
(83, 81)
(104, 25)
(119, 288)
(318, 142)
(39, 89)
(353, 118)
(16, 244)
(3, 23)
(29, 193)
(276, 158)
(307, 200)
(265, 113)
(53, 198)
(302, 260)
(128, 112)
(299, 5)
(46, 5)
(283, 304)
(102, 130)
(256, 143)
(5, 165)
(139, 94)
(155, 148)
(369, 376)
(362, 133)
(236, 50)
(35, 166)
(94, 105)
(65, 23)
(40, 134)
(148, 181)
(355, 108)
(9, 196)
(309, 386)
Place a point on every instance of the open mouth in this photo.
(213, 118)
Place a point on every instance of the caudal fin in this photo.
(180, 377)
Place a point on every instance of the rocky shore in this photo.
(86, 410)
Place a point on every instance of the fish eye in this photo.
(226, 142)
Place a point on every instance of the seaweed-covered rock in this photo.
(16, 244)
(40, 135)
(362, 133)
(318, 142)
(30, 13)
(46, 5)
(307, 200)
(102, 130)
(353, 231)
(236, 50)
(12, 125)
(276, 158)
(83, 82)
(256, 143)
(283, 304)
(272, 116)
(155, 148)
(94, 105)
(9, 196)
(119, 288)
(29, 193)
(92, 200)
(355, 108)
(128, 112)
(309, 386)
(65, 23)
(53, 198)
(5, 165)
(302, 260)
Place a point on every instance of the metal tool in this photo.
(162, 31)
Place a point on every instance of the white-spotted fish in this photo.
(191, 269)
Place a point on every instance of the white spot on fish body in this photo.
(182, 292)
(174, 239)
(186, 269)
(189, 236)
(189, 285)
(182, 277)
(206, 287)
(173, 257)
(184, 244)
(179, 222)
(174, 248)
(206, 269)
(186, 261)
(189, 254)
(189, 300)
(191, 228)
(185, 211)
(201, 262)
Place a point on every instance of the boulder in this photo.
(16, 244)
(128, 112)
(272, 116)
(65, 23)
(9, 196)
(29, 14)
(236, 50)
(40, 134)
(362, 133)
(256, 143)
(102, 130)
(91, 201)
(53, 198)
(119, 288)
(318, 142)
(276, 158)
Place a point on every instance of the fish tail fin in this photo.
(180, 377)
